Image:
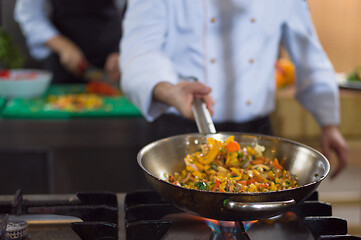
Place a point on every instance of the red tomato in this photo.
(5, 73)
(101, 88)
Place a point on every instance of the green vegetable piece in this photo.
(10, 54)
(201, 185)
(214, 167)
(288, 183)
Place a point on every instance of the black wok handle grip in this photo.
(277, 207)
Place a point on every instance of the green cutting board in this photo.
(2, 103)
(36, 108)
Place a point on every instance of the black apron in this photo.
(170, 125)
(93, 25)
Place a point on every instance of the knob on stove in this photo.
(17, 230)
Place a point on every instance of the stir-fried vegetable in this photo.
(228, 167)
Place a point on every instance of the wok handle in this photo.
(201, 114)
(278, 206)
(203, 117)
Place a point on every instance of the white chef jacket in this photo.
(231, 46)
(33, 19)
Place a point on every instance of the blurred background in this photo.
(66, 154)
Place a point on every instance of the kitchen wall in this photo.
(336, 22)
(338, 26)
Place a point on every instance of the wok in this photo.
(166, 156)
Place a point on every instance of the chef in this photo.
(69, 35)
(231, 48)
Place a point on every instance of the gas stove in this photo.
(144, 215)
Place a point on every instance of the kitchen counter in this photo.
(87, 151)
(292, 121)
(84, 154)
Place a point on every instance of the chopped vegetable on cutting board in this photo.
(102, 88)
(75, 102)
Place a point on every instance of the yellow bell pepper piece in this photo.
(229, 139)
(232, 159)
(200, 166)
(236, 171)
(252, 188)
(273, 187)
(251, 151)
(213, 152)
(197, 174)
(222, 186)
(189, 168)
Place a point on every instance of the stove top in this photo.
(310, 220)
(144, 215)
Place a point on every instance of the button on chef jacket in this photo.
(231, 46)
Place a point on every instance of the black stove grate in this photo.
(99, 212)
(145, 209)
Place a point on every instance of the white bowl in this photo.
(25, 83)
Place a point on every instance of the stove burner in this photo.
(227, 230)
(17, 230)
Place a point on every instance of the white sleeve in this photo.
(317, 88)
(143, 62)
(35, 26)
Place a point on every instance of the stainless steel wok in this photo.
(166, 156)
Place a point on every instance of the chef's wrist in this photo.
(328, 130)
(70, 55)
(162, 92)
(330, 127)
(59, 43)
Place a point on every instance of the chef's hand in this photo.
(70, 55)
(332, 139)
(111, 67)
(182, 94)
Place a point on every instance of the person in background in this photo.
(68, 35)
(230, 47)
